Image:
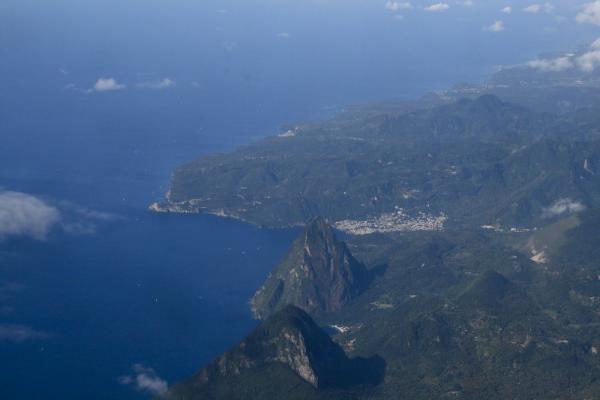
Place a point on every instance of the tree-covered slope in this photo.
(449, 314)
(472, 162)
(463, 315)
(318, 274)
(473, 270)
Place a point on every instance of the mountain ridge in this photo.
(446, 201)
(287, 342)
(419, 169)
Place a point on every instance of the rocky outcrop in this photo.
(288, 341)
(318, 274)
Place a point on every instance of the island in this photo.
(450, 250)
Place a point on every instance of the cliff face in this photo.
(288, 345)
(318, 274)
(289, 337)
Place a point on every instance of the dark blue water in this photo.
(168, 291)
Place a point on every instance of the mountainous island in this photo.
(450, 248)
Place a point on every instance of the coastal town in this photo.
(397, 221)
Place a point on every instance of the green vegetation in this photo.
(446, 315)
(502, 303)
(480, 162)
(318, 274)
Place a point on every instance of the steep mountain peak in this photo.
(318, 234)
(295, 340)
(318, 274)
(292, 346)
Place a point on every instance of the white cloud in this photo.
(19, 333)
(438, 7)
(562, 206)
(589, 61)
(83, 221)
(466, 3)
(536, 8)
(283, 35)
(398, 6)
(507, 10)
(161, 84)
(96, 215)
(590, 13)
(552, 65)
(107, 85)
(25, 215)
(497, 26)
(144, 379)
